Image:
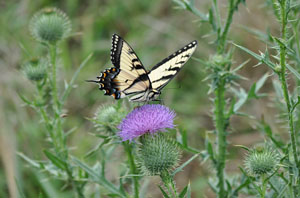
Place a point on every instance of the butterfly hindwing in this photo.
(165, 70)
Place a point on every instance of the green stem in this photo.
(173, 186)
(221, 135)
(169, 183)
(53, 54)
(59, 136)
(133, 168)
(264, 186)
(223, 36)
(217, 12)
(285, 90)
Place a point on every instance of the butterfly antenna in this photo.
(94, 81)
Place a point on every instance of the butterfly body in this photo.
(129, 77)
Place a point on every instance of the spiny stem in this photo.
(133, 168)
(264, 186)
(53, 54)
(223, 35)
(217, 12)
(169, 183)
(59, 139)
(284, 86)
(221, 135)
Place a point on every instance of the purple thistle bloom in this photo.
(148, 118)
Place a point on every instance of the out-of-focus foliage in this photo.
(155, 29)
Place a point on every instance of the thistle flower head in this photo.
(146, 119)
(50, 25)
(157, 154)
(35, 69)
(108, 117)
(262, 160)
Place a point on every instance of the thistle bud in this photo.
(50, 25)
(157, 154)
(277, 68)
(262, 160)
(219, 60)
(107, 118)
(36, 69)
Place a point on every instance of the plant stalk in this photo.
(284, 86)
(133, 168)
(221, 135)
(264, 186)
(60, 140)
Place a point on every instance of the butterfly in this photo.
(129, 77)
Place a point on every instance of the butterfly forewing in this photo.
(132, 77)
(165, 70)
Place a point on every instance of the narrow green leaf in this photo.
(56, 160)
(242, 95)
(240, 66)
(183, 192)
(70, 85)
(163, 192)
(263, 59)
(261, 82)
(283, 191)
(30, 161)
(98, 178)
(184, 165)
(252, 93)
(295, 72)
(189, 191)
(25, 100)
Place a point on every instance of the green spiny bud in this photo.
(218, 61)
(157, 154)
(50, 25)
(277, 68)
(107, 118)
(262, 160)
(36, 69)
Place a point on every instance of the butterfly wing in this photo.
(128, 76)
(161, 74)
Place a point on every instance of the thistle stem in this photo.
(284, 86)
(264, 186)
(223, 36)
(59, 136)
(221, 135)
(169, 183)
(133, 168)
(53, 54)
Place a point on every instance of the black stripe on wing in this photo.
(185, 48)
(116, 50)
(161, 74)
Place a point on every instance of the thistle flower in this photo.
(35, 69)
(262, 160)
(157, 154)
(50, 25)
(108, 117)
(146, 119)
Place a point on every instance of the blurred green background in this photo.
(155, 29)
